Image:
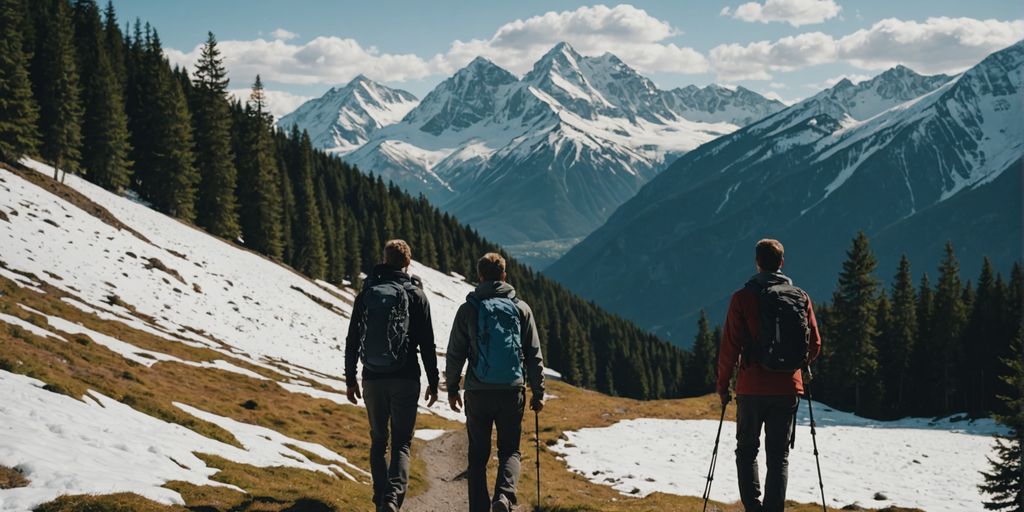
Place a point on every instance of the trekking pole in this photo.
(814, 439)
(714, 459)
(536, 427)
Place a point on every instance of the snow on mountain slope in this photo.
(930, 464)
(566, 144)
(157, 275)
(881, 156)
(345, 117)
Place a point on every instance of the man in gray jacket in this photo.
(496, 333)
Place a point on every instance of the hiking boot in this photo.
(501, 504)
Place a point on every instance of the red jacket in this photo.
(740, 325)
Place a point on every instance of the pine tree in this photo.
(105, 124)
(903, 334)
(310, 258)
(217, 208)
(704, 361)
(885, 347)
(259, 183)
(113, 40)
(853, 364)
(1004, 482)
(18, 111)
(982, 342)
(949, 321)
(56, 87)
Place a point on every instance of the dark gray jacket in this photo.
(463, 338)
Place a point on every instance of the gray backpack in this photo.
(383, 346)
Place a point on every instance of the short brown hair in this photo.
(769, 253)
(491, 266)
(397, 253)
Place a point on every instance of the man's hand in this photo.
(455, 401)
(725, 396)
(537, 403)
(431, 395)
(353, 393)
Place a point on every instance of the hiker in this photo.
(390, 323)
(771, 332)
(496, 333)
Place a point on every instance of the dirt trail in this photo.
(446, 472)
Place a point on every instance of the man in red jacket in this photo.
(763, 397)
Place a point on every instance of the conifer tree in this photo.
(948, 324)
(1004, 482)
(19, 114)
(903, 334)
(217, 208)
(105, 124)
(704, 361)
(56, 87)
(259, 187)
(113, 40)
(310, 258)
(982, 344)
(853, 364)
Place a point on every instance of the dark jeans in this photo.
(776, 414)
(484, 410)
(391, 401)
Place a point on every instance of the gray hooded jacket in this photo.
(460, 344)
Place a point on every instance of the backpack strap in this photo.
(747, 353)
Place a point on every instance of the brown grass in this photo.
(11, 478)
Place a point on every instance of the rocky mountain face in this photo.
(911, 160)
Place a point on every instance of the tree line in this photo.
(102, 102)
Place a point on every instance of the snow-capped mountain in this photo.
(912, 161)
(558, 149)
(344, 118)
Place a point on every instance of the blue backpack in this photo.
(499, 345)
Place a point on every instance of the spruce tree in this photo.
(984, 343)
(1004, 482)
(903, 334)
(19, 114)
(217, 208)
(310, 258)
(114, 42)
(948, 324)
(105, 124)
(56, 87)
(704, 361)
(853, 364)
(259, 183)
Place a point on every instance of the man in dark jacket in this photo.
(498, 405)
(763, 397)
(392, 396)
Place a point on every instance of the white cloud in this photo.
(284, 35)
(757, 60)
(778, 85)
(630, 33)
(279, 103)
(937, 45)
(794, 12)
(726, 11)
(324, 60)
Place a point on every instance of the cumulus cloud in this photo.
(630, 33)
(284, 35)
(937, 45)
(794, 12)
(758, 60)
(324, 60)
(279, 103)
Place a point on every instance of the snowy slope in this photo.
(933, 465)
(182, 285)
(345, 117)
(565, 144)
(906, 158)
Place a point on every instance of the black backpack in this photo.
(784, 332)
(383, 346)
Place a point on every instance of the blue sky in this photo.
(785, 48)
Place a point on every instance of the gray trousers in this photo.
(394, 402)
(775, 413)
(485, 410)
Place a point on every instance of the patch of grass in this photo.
(11, 478)
(124, 502)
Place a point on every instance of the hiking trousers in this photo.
(503, 410)
(776, 414)
(390, 402)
